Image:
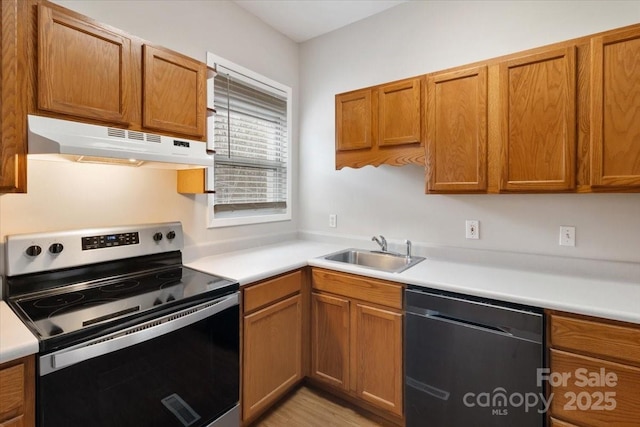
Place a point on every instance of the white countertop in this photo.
(617, 300)
(250, 265)
(614, 300)
(15, 339)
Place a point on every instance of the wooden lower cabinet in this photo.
(356, 344)
(330, 336)
(272, 342)
(378, 352)
(17, 393)
(595, 366)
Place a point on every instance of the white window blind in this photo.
(251, 146)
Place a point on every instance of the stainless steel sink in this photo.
(383, 261)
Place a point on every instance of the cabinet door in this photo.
(538, 125)
(13, 92)
(84, 69)
(17, 392)
(174, 96)
(595, 404)
(615, 110)
(399, 113)
(378, 352)
(330, 340)
(354, 124)
(457, 131)
(272, 354)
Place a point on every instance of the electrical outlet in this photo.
(567, 235)
(333, 220)
(472, 229)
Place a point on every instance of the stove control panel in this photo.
(36, 252)
(109, 240)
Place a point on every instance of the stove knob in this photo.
(56, 248)
(157, 237)
(33, 250)
(171, 235)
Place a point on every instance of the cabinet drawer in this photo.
(272, 290)
(594, 404)
(597, 338)
(361, 288)
(12, 391)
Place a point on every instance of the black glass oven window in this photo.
(198, 364)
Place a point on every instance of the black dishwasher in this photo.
(472, 362)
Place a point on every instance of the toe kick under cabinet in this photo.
(594, 372)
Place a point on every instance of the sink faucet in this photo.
(408, 243)
(381, 241)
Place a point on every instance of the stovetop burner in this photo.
(58, 300)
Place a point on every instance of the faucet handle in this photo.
(380, 240)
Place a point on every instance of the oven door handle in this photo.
(135, 335)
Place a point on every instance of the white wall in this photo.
(419, 37)
(64, 195)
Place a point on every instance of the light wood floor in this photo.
(310, 408)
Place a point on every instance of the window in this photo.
(250, 132)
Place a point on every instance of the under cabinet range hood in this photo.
(55, 139)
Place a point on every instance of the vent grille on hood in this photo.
(84, 142)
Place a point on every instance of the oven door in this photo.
(176, 371)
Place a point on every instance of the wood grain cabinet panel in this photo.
(13, 93)
(591, 405)
(399, 113)
(615, 109)
(599, 363)
(557, 423)
(17, 392)
(272, 354)
(330, 338)
(14, 422)
(84, 69)
(457, 131)
(378, 352)
(354, 124)
(380, 125)
(356, 340)
(617, 341)
(538, 121)
(174, 93)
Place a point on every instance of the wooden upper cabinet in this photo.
(399, 113)
(84, 69)
(380, 125)
(90, 71)
(13, 92)
(354, 121)
(615, 109)
(457, 131)
(174, 92)
(537, 113)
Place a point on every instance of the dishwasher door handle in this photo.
(433, 315)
